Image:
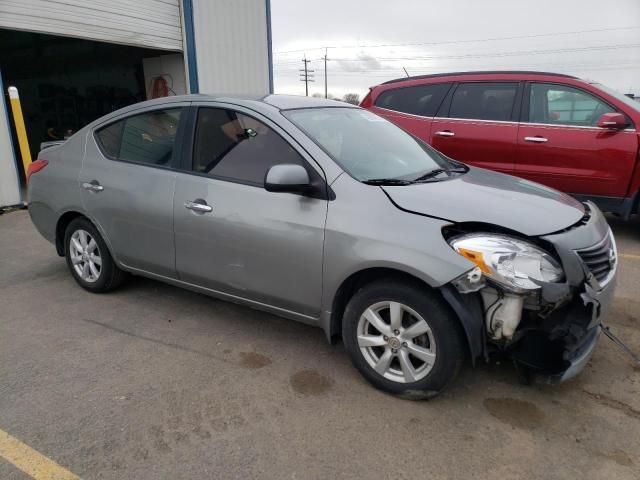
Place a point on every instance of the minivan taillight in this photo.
(35, 167)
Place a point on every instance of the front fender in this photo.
(468, 308)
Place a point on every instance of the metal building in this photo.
(76, 60)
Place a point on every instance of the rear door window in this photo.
(422, 100)
(484, 101)
(147, 138)
(564, 105)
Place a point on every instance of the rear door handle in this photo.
(198, 206)
(536, 139)
(445, 133)
(93, 186)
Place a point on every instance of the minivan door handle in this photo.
(93, 186)
(536, 139)
(445, 133)
(198, 206)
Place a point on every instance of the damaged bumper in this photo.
(552, 331)
(577, 360)
(558, 347)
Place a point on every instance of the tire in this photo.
(81, 233)
(438, 352)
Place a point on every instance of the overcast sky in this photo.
(372, 40)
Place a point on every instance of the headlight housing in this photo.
(509, 261)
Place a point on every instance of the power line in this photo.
(480, 55)
(452, 42)
(494, 54)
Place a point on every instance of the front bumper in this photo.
(558, 346)
(576, 361)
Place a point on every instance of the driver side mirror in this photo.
(612, 121)
(287, 178)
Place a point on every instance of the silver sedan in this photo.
(327, 214)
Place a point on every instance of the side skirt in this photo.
(281, 312)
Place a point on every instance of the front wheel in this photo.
(403, 339)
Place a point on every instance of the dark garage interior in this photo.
(65, 83)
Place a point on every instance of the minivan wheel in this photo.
(402, 338)
(88, 258)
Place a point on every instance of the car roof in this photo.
(281, 102)
(489, 73)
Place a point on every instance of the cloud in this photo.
(362, 63)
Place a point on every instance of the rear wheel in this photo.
(403, 339)
(88, 258)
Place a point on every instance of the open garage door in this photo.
(143, 23)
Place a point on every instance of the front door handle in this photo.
(198, 206)
(93, 186)
(445, 133)
(536, 139)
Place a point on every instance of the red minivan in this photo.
(558, 130)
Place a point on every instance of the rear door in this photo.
(412, 108)
(560, 144)
(239, 239)
(127, 182)
(478, 124)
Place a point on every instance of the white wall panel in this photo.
(147, 23)
(231, 46)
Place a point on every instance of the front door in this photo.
(127, 187)
(560, 145)
(478, 126)
(233, 236)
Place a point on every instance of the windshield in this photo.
(369, 147)
(623, 98)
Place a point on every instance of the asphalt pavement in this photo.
(155, 382)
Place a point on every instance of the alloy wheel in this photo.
(85, 256)
(396, 342)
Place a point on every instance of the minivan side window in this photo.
(483, 101)
(146, 138)
(233, 146)
(421, 100)
(564, 105)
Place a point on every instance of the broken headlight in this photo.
(508, 261)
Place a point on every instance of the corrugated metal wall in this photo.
(148, 23)
(232, 46)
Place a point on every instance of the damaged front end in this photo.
(542, 299)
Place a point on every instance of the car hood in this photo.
(489, 197)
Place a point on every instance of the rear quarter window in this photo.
(109, 138)
(422, 100)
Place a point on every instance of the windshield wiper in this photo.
(386, 181)
(433, 173)
(437, 171)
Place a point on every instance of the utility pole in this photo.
(306, 75)
(325, 71)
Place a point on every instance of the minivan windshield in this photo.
(370, 148)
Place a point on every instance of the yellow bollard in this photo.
(21, 131)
